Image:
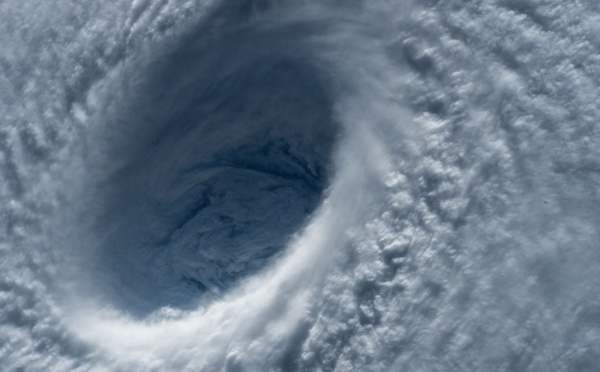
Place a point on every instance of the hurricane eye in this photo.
(227, 166)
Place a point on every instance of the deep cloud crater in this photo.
(221, 154)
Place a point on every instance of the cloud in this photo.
(444, 158)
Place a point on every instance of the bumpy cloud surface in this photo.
(299, 185)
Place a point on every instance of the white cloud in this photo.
(458, 230)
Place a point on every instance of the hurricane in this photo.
(256, 185)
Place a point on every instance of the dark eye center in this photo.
(236, 164)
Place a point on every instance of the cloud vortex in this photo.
(299, 186)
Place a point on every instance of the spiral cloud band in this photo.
(252, 185)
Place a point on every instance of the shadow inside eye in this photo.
(227, 168)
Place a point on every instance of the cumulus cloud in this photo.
(203, 185)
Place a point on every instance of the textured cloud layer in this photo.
(437, 167)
